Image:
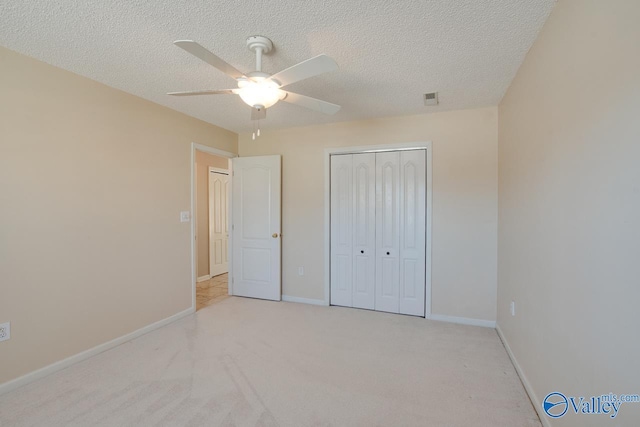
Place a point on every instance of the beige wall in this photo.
(92, 181)
(464, 200)
(569, 235)
(203, 161)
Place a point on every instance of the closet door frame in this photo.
(424, 145)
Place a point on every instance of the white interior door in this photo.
(218, 222)
(364, 230)
(353, 268)
(387, 232)
(342, 230)
(412, 232)
(256, 227)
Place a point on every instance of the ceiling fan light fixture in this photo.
(261, 90)
(260, 94)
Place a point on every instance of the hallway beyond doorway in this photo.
(211, 291)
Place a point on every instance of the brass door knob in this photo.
(274, 235)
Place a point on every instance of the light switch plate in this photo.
(185, 216)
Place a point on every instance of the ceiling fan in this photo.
(261, 90)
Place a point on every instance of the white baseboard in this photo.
(71, 360)
(288, 298)
(203, 278)
(537, 405)
(462, 320)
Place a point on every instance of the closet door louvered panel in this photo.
(341, 230)
(364, 230)
(412, 231)
(387, 231)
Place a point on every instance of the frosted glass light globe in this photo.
(262, 93)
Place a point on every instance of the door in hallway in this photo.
(218, 222)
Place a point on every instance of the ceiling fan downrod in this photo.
(260, 45)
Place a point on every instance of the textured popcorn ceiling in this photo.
(389, 52)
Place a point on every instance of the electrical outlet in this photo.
(300, 271)
(5, 331)
(512, 308)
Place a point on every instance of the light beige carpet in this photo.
(244, 362)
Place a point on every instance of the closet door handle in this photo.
(361, 252)
(388, 253)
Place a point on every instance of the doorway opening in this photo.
(210, 230)
(254, 239)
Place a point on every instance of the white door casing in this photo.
(218, 222)
(256, 227)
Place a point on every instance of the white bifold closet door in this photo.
(353, 230)
(378, 224)
(400, 232)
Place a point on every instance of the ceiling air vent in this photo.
(431, 98)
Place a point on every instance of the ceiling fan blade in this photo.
(197, 50)
(312, 103)
(305, 69)
(258, 114)
(204, 92)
